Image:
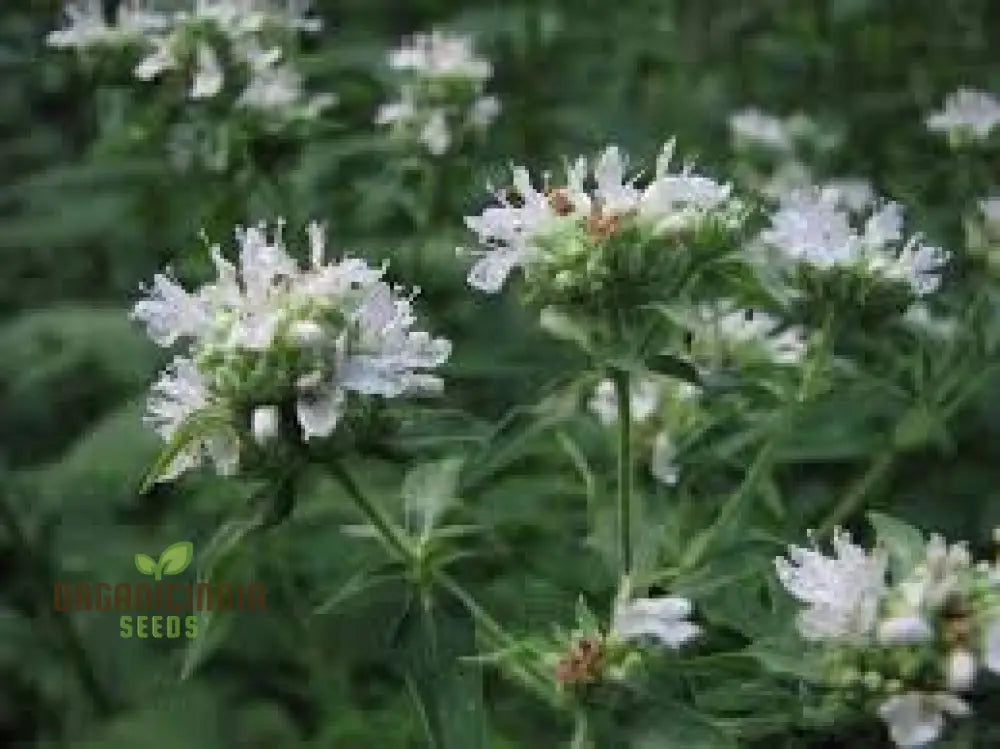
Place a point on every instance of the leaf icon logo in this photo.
(173, 561)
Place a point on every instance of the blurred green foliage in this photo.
(86, 214)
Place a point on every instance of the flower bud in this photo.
(264, 424)
(960, 671)
(904, 630)
(306, 333)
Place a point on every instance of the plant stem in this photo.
(581, 730)
(61, 623)
(395, 539)
(623, 394)
(855, 496)
(390, 534)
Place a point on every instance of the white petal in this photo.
(492, 269)
(208, 76)
(224, 450)
(904, 630)
(670, 632)
(265, 423)
(913, 719)
(319, 413)
(960, 671)
(663, 464)
(663, 619)
(991, 646)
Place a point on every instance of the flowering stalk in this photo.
(622, 384)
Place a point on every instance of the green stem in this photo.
(855, 496)
(623, 394)
(494, 633)
(61, 623)
(391, 535)
(581, 730)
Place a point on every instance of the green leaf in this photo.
(445, 687)
(677, 726)
(146, 565)
(586, 619)
(563, 327)
(904, 543)
(674, 366)
(198, 425)
(428, 490)
(176, 558)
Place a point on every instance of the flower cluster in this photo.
(206, 44)
(272, 349)
(441, 93)
(599, 239)
(812, 231)
(907, 646)
(967, 116)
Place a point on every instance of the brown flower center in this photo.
(583, 664)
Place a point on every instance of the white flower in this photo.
(937, 578)
(991, 645)
(644, 400)
(966, 111)
(435, 134)
(757, 128)
(960, 671)
(244, 17)
(810, 228)
(990, 209)
(440, 54)
(180, 393)
(174, 41)
(904, 630)
(663, 463)
(268, 326)
(276, 87)
(159, 59)
(208, 75)
(484, 110)
(441, 91)
(264, 423)
(842, 592)
(916, 719)
(663, 619)
(85, 26)
(513, 233)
